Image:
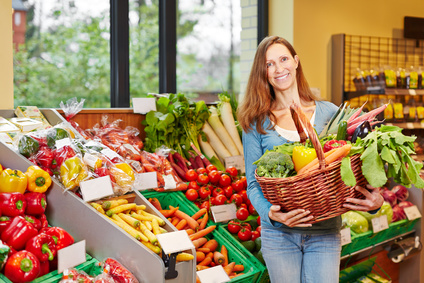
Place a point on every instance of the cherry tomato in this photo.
(224, 180)
(204, 192)
(214, 177)
(193, 185)
(242, 213)
(255, 235)
(237, 199)
(228, 190)
(252, 210)
(203, 179)
(232, 171)
(244, 234)
(191, 175)
(243, 205)
(259, 229)
(243, 194)
(247, 202)
(191, 194)
(246, 225)
(237, 186)
(234, 227)
(217, 191)
(220, 199)
(258, 220)
(211, 168)
(206, 205)
(244, 181)
(201, 170)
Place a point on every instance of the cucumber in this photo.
(342, 131)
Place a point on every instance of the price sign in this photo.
(110, 154)
(169, 182)
(213, 275)
(236, 161)
(379, 223)
(173, 242)
(412, 92)
(96, 188)
(144, 181)
(409, 125)
(71, 256)
(412, 212)
(143, 105)
(62, 142)
(345, 236)
(225, 212)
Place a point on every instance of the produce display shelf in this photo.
(252, 272)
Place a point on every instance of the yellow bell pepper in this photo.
(13, 181)
(38, 179)
(1, 168)
(127, 169)
(72, 172)
(302, 155)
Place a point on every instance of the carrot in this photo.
(238, 268)
(232, 275)
(199, 220)
(202, 233)
(205, 250)
(156, 203)
(202, 224)
(175, 221)
(201, 267)
(211, 244)
(199, 242)
(206, 261)
(314, 162)
(218, 258)
(338, 153)
(181, 224)
(229, 267)
(168, 212)
(190, 221)
(199, 213)
(189, 231)
(224, 253)
(200, 256)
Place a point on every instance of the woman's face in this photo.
(281, 67)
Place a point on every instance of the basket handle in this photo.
(299, 118)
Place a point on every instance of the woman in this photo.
(294, 251)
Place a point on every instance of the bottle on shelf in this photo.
(400, 78)
(412, 115)
(413, 78)
(390, 76)
(420, 77)
(406, 108)
(420, 111)
(398, 111)
(388, 112)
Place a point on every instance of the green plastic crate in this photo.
(367, 239)
(54, 276)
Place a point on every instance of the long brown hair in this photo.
(259, 95)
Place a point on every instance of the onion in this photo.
(390, 197)
(401, 192)
(398, 213)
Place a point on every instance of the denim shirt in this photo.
(255, 145)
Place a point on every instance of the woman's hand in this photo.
(373, 199)
(294, 218)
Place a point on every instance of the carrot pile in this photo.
(209, 253)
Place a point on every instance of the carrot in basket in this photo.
(238, 268)
(199, 213)
(181, 224)
(224, 252)
(338, 153)
(175, 220)
(229, 267)
(199, 242)
(201, 267)
(190, 221)
(218, 258)
(200, 256)
(204, 222)
(189, 231)
(205, 250)
(168, 212)
(202, 233)
(314, 162)
(206, 261)
(211, 244)
(156, 203)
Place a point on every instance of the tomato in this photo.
(201, 170)
(220, 200)
(214, 177)
(232, 171)
(247, 202)
(255, 235)
(206, 205)
(242, 213)
(244, 206)
(217, 191)
(203, 179)
(211, 168)
(243, 194)
(252, 210)
(244, 234)
(191, 175)
(228, 191)
(244, 181)
(259, 229)
(258, 220)
(234, 227)
(224, 180)
(246, 225)
(237, 186)
(204, 192)
(191, 194)
(193, 185)
(237, 199)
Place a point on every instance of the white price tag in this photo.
(409, 125)
(412, 212)
(236, 161)
(71, 256)
(345, 236)
(110, 153)
(213, 275)
(412, 92)
(225, 212)
(90, 160)
(144, 181)
(169, 182)
(96, 188)
(379, 223)
(131, 148)
(62, 142)
(173, 242)
(143, 105)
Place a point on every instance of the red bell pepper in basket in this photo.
(18, 233)
(42, 246)
(12, 204)
(21, 267)
(34, 221)
(331, 144)
(44, 222)
(4, 222)
(60, 237)
(36, 203)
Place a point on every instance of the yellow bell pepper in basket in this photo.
(38, 179)
(302, 155)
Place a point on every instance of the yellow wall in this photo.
(6, 55)
(314, 22)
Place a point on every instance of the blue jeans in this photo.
(302, 258)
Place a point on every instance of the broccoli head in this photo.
(275, 164)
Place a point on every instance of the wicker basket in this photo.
(320, 191)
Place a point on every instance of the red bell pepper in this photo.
(118, 272)
(44, 268)
(44, 222)
(331, 144)
(42, 246)
(103, 171)
(4, 222)
(36, 203)
(60, 236)
(45, 157)
(21, 267)
(34, 221)
(18, 233)
(63, 153)
(12, 204)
